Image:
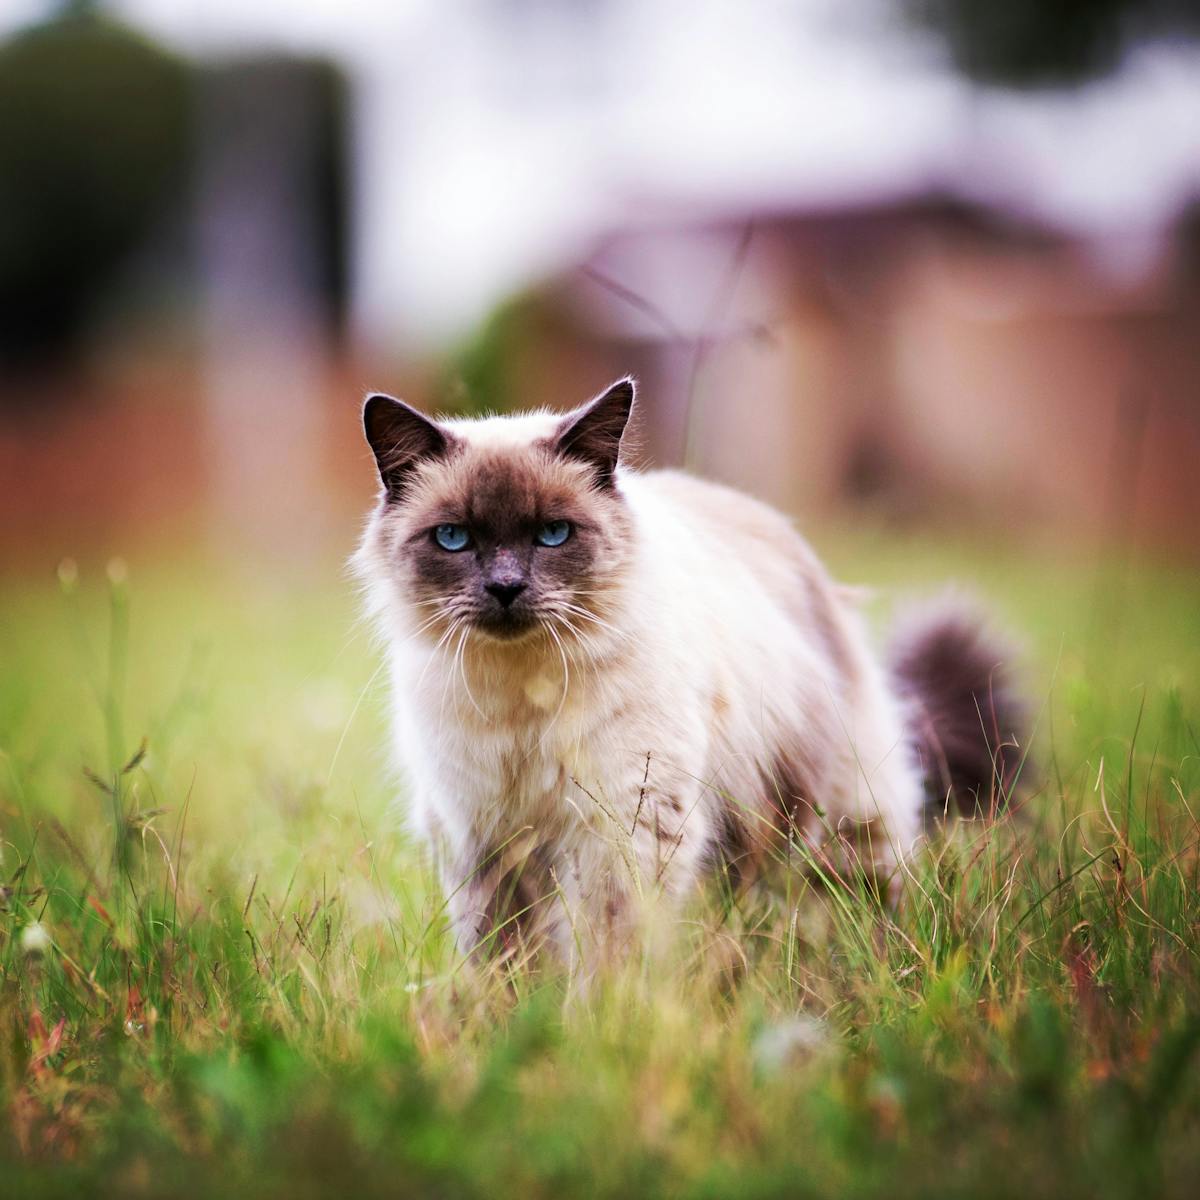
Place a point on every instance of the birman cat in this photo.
(608, 683)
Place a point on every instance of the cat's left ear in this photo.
(593, 433)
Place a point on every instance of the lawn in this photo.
(224, 971)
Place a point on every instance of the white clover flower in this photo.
(34, 939)
(68, 575)
(788, 1042)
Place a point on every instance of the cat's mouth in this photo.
(507, 624)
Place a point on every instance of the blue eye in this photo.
(451, 537)
(554, 533)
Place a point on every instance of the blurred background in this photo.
(924, 264)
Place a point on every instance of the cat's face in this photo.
(507, 526)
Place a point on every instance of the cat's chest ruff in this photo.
(506, 742)
(511, 782)
(526, 752)
(537, 703)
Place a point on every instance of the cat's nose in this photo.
(506, 591)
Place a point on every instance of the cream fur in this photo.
(725, 700)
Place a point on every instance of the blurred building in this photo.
(933, 360)
(843, 272)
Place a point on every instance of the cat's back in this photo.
(718, 522)
(737, 572)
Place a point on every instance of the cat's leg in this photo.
(465, 869)
(501, 901)
(468, 893)
(640, 851)
(875, 814)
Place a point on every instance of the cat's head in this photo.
(508, 526)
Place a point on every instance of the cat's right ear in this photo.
(400, 438)
(593, 433)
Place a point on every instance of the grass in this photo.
(225, 972)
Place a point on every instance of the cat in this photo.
(607, 683)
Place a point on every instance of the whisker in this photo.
(589, 645)
(583, 637)
(566, 682)
(579, 611)
(461, 659)
(449, 675)
(588, 667)
(434, 653)
(428, 623)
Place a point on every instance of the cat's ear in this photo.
(400, 438)
(593, 433)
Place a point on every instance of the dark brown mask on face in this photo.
(501, 535)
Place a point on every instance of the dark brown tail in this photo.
(966, 718)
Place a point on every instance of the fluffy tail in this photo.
(966, 718)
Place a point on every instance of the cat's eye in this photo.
(452, 537)
(554, 533)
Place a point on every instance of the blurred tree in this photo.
(94, 145)
(483, 373)
(1032, 43)
(274, 129)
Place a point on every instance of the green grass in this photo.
(248, 986)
